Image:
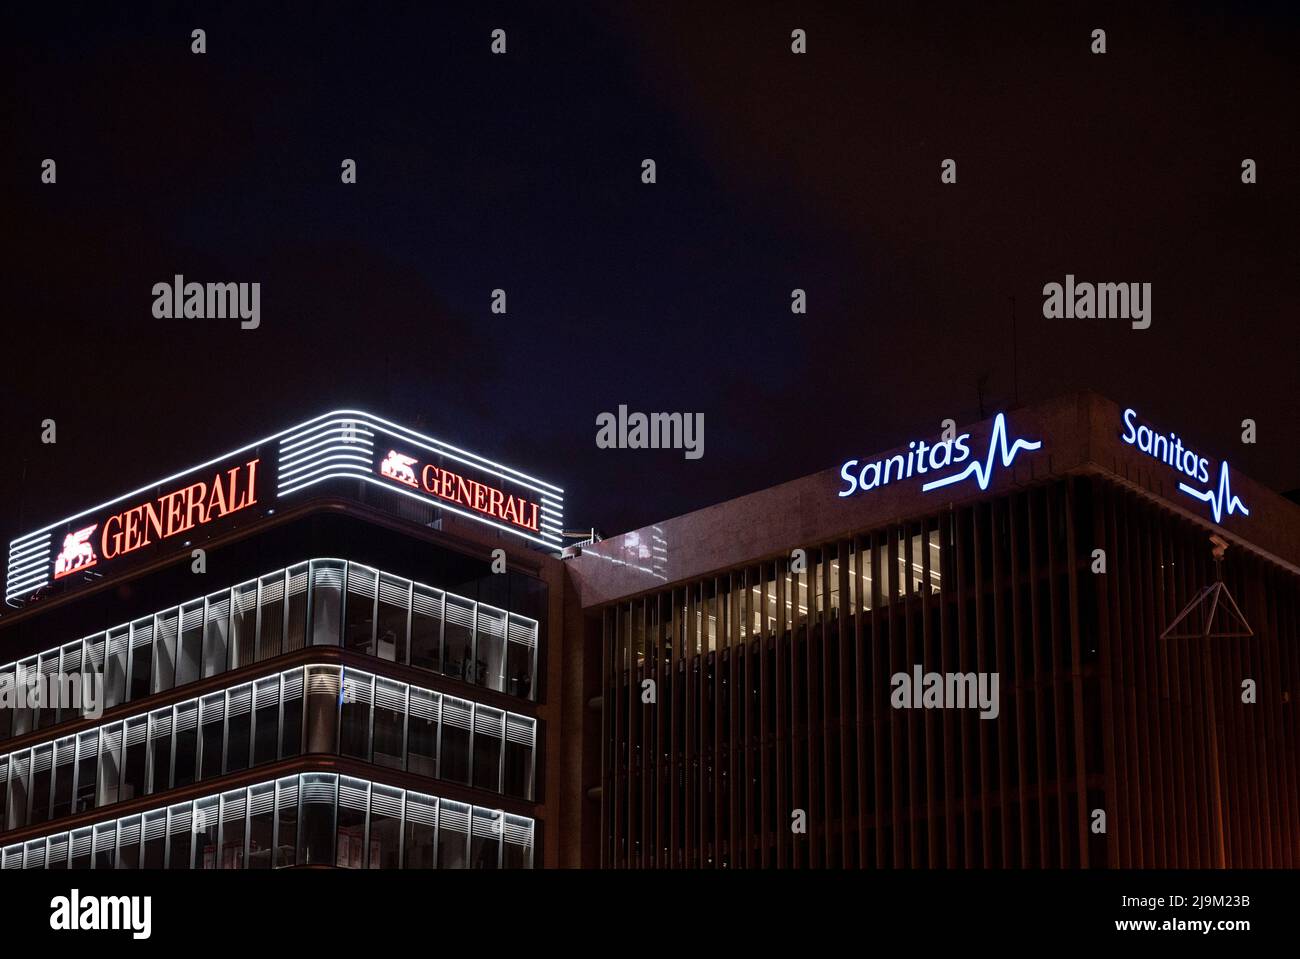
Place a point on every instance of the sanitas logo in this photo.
(1170, 451)
(923, 457)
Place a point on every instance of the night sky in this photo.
(523, 172)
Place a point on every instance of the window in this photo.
(390, 721)
(154, 842)
(115, 666)
(266, 721)
(390, 630)
(295, 633)
(426, 628)
(422, 732)
(215, 634)
(110, 758)
(354, 725)
(234, 806)
(518, 849)
(520, 734)
(453, 835)
(243, 624)
(87, 769)
(135, 758)
(385, 847)
(354, 801)
(141, 657)
(322, 709)
(521, 656)
(270, 621)
(212, 717)
(48, 714)
(326, 596)
(485, 845)
(42, 783)
(180, 836)
(316, 844)
(160, 750)
(56, 851)
(206, 832)
(421, 831)
(6, 715)
(261, 825)
(458, 639)
(187, 742)
(489, 731)
(24, 719)
(164, 650)
(291, 724)
(189, 662)
(286, 822)
(128, 843)
(81, 848)
(490, 652)
(239, 726)
(65, 769)
(359, 632)
(454, 750)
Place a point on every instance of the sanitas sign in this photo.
(1169, 449)
(923, 458)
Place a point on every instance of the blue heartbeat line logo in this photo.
(984, 471)
(1218, 498)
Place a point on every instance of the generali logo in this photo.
(77, 553)
(454, 488)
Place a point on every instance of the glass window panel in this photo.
(87, 770)
(419, 839)
(154, 840)
(110, 764)
(295, 636)
(458, 639)
(291, 727)
(286, 822)
(360, 626)
(65, 771)
(266, 721)
(317, 827)
(354, 801)
(7, 715)
(216, 634)
(234, 815)
(48, 714)
(454, 749)
(326, 602)
(56, 852)
(189, 659)
(128, 843)
(243, 624)
(322, 709)
(118, 645)
(207, 822)
(160, 750)
(385, 827)
(390, 718)
(81, 848)
(390, 631)
(521, 656)
(187, 742)
(489, 731)
(212, 721)
(426, 628)
(166, 627)
(239, 726)
(422, 732)
(518, 851)
(24, 718)
(135, 758)
(520, 743)
(141, 658)
(490, 651)
(261, 825)
(180, 836)
(485, 843)
(354, 725)
(270, 626)
(42, 783)
(453, 835)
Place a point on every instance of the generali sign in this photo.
(170, 514)
(335, 454)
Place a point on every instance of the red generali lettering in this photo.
(478, 496)
(179, 511)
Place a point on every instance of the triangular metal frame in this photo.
(1218, 596)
